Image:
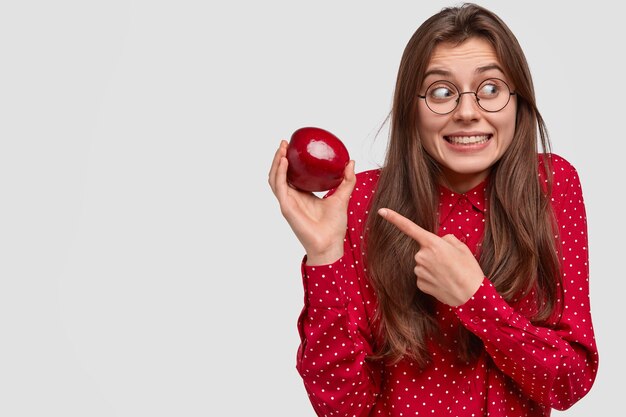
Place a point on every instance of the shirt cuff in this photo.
(484, 310)
(323, 284)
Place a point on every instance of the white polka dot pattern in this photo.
(525, 370)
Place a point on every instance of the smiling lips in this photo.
(468, 139)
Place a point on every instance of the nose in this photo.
(467, 109)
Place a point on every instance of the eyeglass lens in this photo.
(492, 95)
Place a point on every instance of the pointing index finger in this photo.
(406, 226)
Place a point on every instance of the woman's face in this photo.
(469, 140)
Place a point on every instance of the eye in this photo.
(489, 89)
(442, 91)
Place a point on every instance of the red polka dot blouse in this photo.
(524, 370)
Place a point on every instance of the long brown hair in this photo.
(519, 252)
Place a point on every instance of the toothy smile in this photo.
(467, 140)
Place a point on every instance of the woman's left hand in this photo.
(444, 266)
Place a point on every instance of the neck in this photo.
(461, 183)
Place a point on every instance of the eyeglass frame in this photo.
(460, 93)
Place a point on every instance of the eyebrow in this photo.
(479, 70)
(437, 72)
(486, 68)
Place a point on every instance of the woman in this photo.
(454, 280)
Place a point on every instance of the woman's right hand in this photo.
(319, 223)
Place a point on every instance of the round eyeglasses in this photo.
(492, 95)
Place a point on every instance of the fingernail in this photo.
(382, 212)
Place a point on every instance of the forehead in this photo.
(462, 58)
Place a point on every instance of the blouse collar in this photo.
(448, 199)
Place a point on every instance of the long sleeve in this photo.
(335, 330)
(553, 366)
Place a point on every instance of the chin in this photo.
(474, 169)
(469, 163)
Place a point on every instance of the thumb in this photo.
(347, 185)
(456, 242)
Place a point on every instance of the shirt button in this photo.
(463, 239)
(475, 320)
(463, 202)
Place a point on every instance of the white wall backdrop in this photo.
(144, 265)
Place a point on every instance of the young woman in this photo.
(454, 280)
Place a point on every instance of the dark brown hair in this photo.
(519, 252)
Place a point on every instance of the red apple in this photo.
(317, 159)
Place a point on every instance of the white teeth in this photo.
(467, 140)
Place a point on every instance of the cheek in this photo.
(506, 127)
(428, 126)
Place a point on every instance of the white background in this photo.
(144, 265)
